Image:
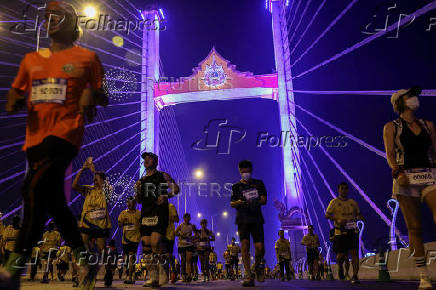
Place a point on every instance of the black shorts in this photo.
(63, 265)
(234, 260)
(183, 250)
(347, 242)
(162, 214)
(255, 230)
(169, 245)
(130, 248)
(49, 255)
(312, 255)
(95, 233)
(202, 251)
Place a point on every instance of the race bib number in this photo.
(129, 228)
(50, 90)
(251, 194)
(421, 176)
(150, 221)
(97, 214)
(204, 244)
(351, 226)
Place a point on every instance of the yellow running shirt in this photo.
(129, 220)
(310, 241)
(283, 248)
(94, 213)
(343, 210)
(9, 237)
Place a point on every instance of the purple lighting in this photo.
(325, 31)
(367, 40)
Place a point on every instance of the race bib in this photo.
(129, 228)
(150, 221)
(50, 90)
(283, 253)
(250, 194)
(97, 214)
(204, 244)
(351, 226)
(421, 176)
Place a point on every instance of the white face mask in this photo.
(246, 176)
(413, 103)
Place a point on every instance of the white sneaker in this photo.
(425, 283)
(148, 283)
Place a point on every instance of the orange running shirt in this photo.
(54, 83)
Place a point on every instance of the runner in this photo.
(311, 241)
(54, 132)
(170, 240)
(283, 253)
(95, 222)
(152, 191)
(129, 220)
(9, 237)
(410, 145)
(228, 263)
(248, 195)
(212, 263)
(63, 261)
(345, 212)
(219, 269)
(185, 233)
(234, 251)
(204, 248)
(51, 241)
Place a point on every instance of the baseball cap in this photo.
(414, 91)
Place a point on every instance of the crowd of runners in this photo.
(61, 86)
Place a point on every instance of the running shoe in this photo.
(163, 275)
(89, 274)
(260, 273)
(248, 281)
(425, 282)
(355, 280)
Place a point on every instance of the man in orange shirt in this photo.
(63, 85)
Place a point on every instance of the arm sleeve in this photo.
(21, 81)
